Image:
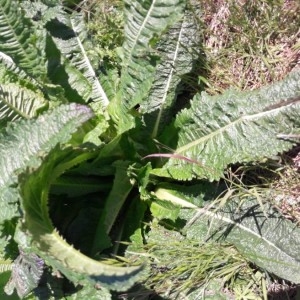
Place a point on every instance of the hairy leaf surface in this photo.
(29, 138)
(234, 127)
(271, 242)
(17, 103)
(68, 64)
(145, 22)
(83, 63)
(178, 51)
(70, 37)
(11, 73)
(26, 140)
(19, 41)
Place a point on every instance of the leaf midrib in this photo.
(12, 34)
(156, 126)
(137, 38)
(224, 128)
(202, 211)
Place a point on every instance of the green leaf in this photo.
(18, 39)
(60, 70)
(40, 12)
(46, 240)
(233, 127)
(83, 63)
(164, 210)
(132, 224)
(117, 196)
(70, 37)
(26, 273)
(11, 73)
(75, 186)
(29, 139)
(113, 203)
(110, 82)
(178, 50)
(272, 242)
(119, 148)
(145, 22)
(17, 103)
(91, 293)
(8, 207)
(150, 19)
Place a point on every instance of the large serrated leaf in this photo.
(29, 138)
(263, 237)
(47, 241)
(23, 142)
(178, 50)
(145, 21)
(83, 63)
(18, 39)
(17, 103)
(151, 18)
(69, 34)
(234, 127)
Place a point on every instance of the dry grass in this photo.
(250, 43)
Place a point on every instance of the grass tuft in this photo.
(105, 25)
(185, 269)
